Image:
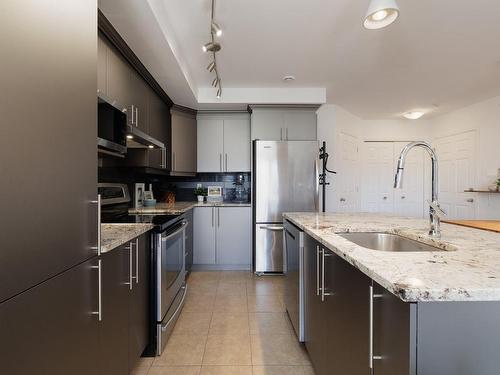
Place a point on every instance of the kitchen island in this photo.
(428, 312)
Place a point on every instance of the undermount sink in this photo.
(386, 242)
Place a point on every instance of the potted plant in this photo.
(200, 193)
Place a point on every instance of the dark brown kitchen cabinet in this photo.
(337, 305)
(159, 128)
(137, 104)
(52, 328)
(183, 141)
(394, 332)
(102, 63)
(125, 306)
(118, 79)
(48, 104)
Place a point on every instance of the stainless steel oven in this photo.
(171, 288)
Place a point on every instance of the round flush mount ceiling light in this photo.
(381, 13)
(413, 115)
(288, 78)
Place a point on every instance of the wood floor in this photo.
(233, 323)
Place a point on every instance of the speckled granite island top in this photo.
(468, 271)
(114, 235)
(178, 208)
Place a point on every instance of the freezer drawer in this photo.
(165, 328)
(269, 248)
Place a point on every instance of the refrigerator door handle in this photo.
(276, 228)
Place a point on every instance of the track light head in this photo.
(215, 82)
(219, 93)
(211, 66)
(216, 30)
(211, 47)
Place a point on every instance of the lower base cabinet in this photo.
(355, 326)
(222, 237)
(124, 325)
(51, 329)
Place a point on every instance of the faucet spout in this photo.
(434, 209)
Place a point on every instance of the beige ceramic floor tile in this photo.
(139, 371)
(283, 370)
(235, 276)
(193, 323)
(145, 362)
(226, 370)
(203, 276)
(277, 350)
(182, 350)
(230, 304)
(261, 287)
(205, 287)
(269, 324)
(228, 350)
(229, 324)
(263, 303)
(175, 370)
(231, 288)
(199, 302)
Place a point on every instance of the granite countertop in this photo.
(114, 235)
(178, 208)
(468, 269)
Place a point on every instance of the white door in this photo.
(237, 145)
(204, 222)
(267, 124)
(210, 138)
(299, 125)
(377, 191)
(347, 173)
(409, 200)
(456, 157)
(234, 236)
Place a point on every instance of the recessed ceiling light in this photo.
(288, 78)
(151, 146)
(413, 115)
(381, 13)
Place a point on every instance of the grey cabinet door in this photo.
(184, 142)
(234, 236)
(210, 140)
(204, 222)
(300, 125)
(237, 144)
(51, 329)
(102, 62)
(394, 334)
(139, 298)
(114, 327)
(267, 125)
(48, 104)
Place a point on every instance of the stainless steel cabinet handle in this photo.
(98, 224)
(218, 216)
(324, 254)
(371, 356)
(470, 200)
(181, 304)
(99, 297)
(132, 112)
(213, 213)
(130, 277)
(281, 134)
(136, 116)
(226, 162)
(220, 162)
(318, 252)
(137, 260)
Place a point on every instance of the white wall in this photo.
(484, 118)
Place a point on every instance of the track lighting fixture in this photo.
(381, 13)
(215, 82)
(211, 66)
(211, 47)
(219, 93)
(216, 30)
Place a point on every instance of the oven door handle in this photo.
(184, 289)
(177, 231)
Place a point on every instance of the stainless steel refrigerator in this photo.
(285, 179)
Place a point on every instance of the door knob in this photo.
(470, 200)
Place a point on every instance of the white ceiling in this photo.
(438, 56)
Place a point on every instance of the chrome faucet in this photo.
(435, 211)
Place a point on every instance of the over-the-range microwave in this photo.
(112, 127)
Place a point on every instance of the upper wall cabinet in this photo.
(223, 142)
(183, 150)
(102, 58)
(284, 124)
(118, 84)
